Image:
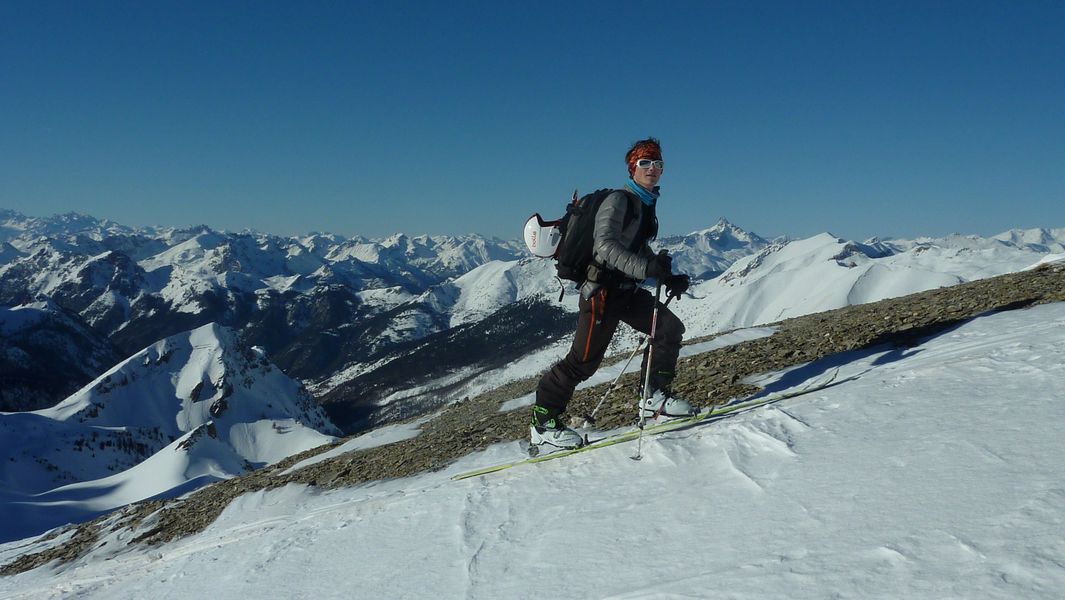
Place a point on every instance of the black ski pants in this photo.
(598, 320)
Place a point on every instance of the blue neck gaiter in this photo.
(648, 198)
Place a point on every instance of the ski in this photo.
(710, 415)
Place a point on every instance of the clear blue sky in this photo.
(859, 118)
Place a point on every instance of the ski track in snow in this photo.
(927, 472)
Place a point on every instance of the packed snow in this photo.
(925, 472)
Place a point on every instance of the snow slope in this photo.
(194, 405)
(824, 272)
(928, 472)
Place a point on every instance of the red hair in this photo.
(649, 148)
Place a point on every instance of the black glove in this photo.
(677, 285)
(659, 267)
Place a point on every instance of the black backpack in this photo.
(577, 227)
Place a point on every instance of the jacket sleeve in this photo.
(609, 222)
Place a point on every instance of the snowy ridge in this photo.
(194, 405)
(824, 272)
(705, 254)
(488, 288)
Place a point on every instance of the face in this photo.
(647, 178)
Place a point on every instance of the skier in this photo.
(611, 294)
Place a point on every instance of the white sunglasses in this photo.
(646, 163)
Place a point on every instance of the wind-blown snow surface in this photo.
(929, 472)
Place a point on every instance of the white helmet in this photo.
(541, 236)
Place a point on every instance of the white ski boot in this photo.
(661, 404)
(554, 436)
(548, 433)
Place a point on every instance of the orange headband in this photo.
(646, 150)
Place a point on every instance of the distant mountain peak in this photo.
(724, 229)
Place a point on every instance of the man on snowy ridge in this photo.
(624, 223)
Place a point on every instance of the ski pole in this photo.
(647, 374)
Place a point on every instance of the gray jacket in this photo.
(613, 240)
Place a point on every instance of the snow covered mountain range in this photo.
(293, 296)
(330, 311)
(370, 325)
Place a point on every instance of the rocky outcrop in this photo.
(476, 423)
(51, 354)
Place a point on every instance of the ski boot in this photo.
(662, 404)
(550, 434)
